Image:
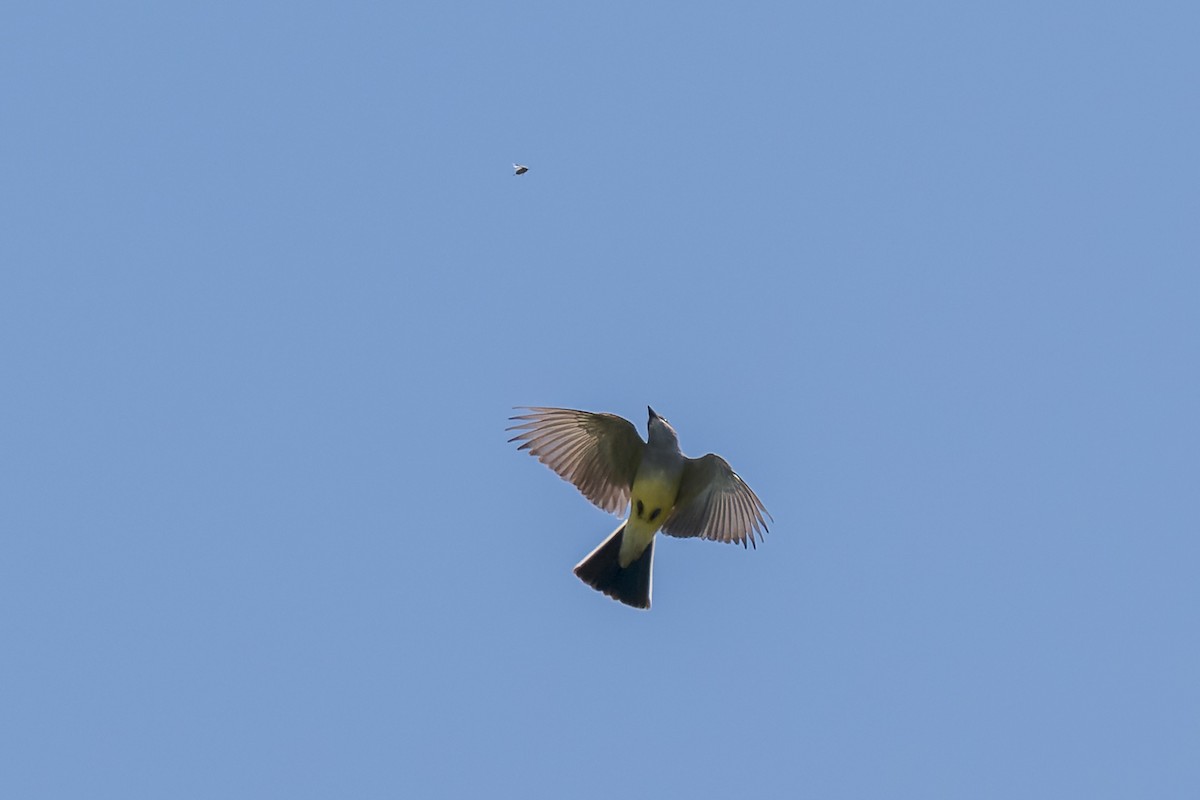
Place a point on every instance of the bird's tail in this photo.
(602, 571)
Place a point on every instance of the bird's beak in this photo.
(653, 416)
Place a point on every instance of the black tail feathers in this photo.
(602, 571)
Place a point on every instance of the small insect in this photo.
(520, 169)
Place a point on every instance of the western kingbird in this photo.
(606, 459)
(520, 169)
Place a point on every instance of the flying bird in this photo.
(520, 169)
(606, 459)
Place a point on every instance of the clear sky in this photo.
(927, 274)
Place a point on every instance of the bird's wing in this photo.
(599, 453)
(715, 503)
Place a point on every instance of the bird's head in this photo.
(659, 429)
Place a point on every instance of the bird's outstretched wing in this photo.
(715, 503)
(599, 453)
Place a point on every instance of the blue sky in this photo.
(925, 274)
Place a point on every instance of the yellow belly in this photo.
(651, 501)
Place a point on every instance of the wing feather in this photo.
(598, 453)
(715, 503)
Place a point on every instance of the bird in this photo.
(607, 461)
(520, 169)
